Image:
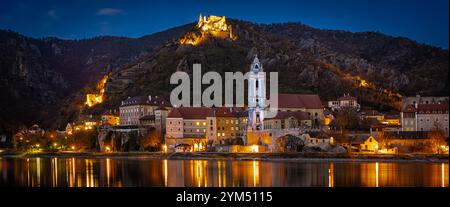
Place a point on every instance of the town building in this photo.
(110, 118)
(309, 103)
(406, 101)
(289, 120)
(370, 145)
(372, 114)
(345, 101)
(186, 126)
(134, 108)
(425, 117)
(225, 123)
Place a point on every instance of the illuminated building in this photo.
(345, 101)
(110, 118)
(186, 128)
(208, 26)
(225, 123)
(134, 108)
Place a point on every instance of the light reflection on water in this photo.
(118, 172)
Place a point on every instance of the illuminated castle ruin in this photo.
(209, 26)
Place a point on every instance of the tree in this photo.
(437, 137)
(151, 141)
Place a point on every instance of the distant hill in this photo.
(45, 79)
(40, 75)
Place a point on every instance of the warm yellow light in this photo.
(55, 144)
(208, 26)
(332, 142)
(107, 149)
(37, 145)
(255, 148)
(164, 148)
(73, 147)
(97, 98)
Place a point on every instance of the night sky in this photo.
(425, 21)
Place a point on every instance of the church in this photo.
(296, 112)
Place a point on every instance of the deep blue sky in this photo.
(426, 21)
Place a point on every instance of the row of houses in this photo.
(200, 127)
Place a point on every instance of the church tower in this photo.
(256, 96)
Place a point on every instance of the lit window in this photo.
(204, 123)
(218, 134)
(197, 123)
(223, 134)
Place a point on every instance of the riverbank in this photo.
(236, 156)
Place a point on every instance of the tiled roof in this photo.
(226, 112)
(371, 113)
(409, 109)
(299, 115)
(308, 101)
(432, 107)
(441, 108)
(347, 98)
(189, 112)
(144, 100)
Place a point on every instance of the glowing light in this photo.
(37, 145)
(165, 173)
(255, 173)
(55, 144)
(93, 99)
(376, 173)
(255, 148)
(164, 148)
(208, 26)
(107, 149)
(72, 147)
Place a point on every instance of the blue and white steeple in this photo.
(256, 96)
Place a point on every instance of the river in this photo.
(123, 172)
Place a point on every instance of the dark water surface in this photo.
(122, 172)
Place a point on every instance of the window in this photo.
(257, 81)
(197, 123)
(204, 123)
(223, 134)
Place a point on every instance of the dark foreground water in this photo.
(121, 172)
